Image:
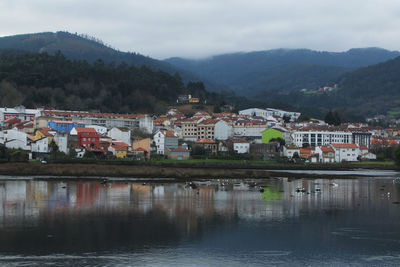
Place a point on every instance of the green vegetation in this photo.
(374, 163)
(12, 155)
(45, 80)
(280, 69)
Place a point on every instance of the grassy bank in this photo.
(180, 170)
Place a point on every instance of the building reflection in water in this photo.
(24, 202)
(122, 213)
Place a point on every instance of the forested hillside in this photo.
(281, 69)
(83, 47)
(47, 80)
(365, 92)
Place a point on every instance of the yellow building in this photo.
(44, 132)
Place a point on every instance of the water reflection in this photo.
(223, 221)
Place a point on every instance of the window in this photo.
(84, 139)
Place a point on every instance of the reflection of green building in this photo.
(270, 194)
(269, 134)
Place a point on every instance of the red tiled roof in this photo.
(120, 144)
(168, 133)
(85, 130)
(363, 147)
(205, 141)
(209, 121)
(326, 149)
(344, 145)
(91, 114)
(45, 131)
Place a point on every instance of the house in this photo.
(87, 137)
(223, 147)
(368, 156)
(309, 154)
(64, 126)
(120, 134)
(61, 140)
(291, 150)
(45, 132)
(179, 153)
(42, 121)
(194, 100)
(20, 112)
(210, 147)
(241, 146)
(40, 146)
(271, 133)
(100, 129)
(266, 151)
(119, 149)
(346, 152)
(189, 129)
(163, 139)
(223, 130)
(249, 128)
(326, 154)
(140, 122)
(327, 135)
(142, 145)
(205, 129)
(306, 152)
(15, 139)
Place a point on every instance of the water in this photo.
(336, 222)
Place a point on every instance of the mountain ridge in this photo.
(246, 72)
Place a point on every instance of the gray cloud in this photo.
(188, 28)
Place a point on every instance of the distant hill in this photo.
(34, 79)
(364, 92)
(82, 47)
(281, 69)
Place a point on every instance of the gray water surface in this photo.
(338, 222)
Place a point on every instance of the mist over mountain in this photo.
(281, 69)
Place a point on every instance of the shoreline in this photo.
(92, 171)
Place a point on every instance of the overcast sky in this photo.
(199, 28)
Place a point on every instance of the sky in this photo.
(201, 28)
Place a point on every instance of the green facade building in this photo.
(269, 134)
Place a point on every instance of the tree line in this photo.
(53, 80)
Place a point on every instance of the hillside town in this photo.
(249, 134)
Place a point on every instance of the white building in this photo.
(326, 154)
(160, 137)
(40, 145)
(14, 139)
(254, 112)
(290, 150)
(270, 113)
(222, 130)
(100, 129)
(241, 146)
(61, 140)
(120, 134)
(21, 113)
(346, 152)
(109, 120)
(282, 113)
(322, 136)
(249, 128)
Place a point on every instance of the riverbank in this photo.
(160, 171)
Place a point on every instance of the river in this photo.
(313, 222)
